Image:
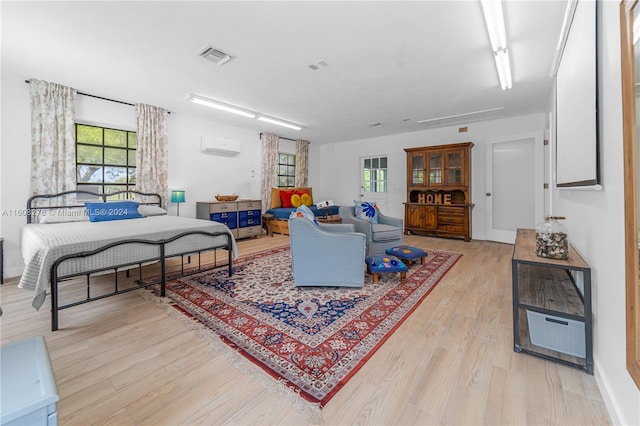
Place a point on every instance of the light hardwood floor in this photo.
(123, 361)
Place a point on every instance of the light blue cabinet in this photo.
(29, 394)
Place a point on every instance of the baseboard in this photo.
(612, 407)
(12, 273)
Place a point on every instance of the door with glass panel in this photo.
(373, 180)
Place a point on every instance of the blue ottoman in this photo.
(408, 254)
(381, 264)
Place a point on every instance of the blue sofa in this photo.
(326, 254)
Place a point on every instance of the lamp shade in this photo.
(177, 196)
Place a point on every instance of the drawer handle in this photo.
(556, 321)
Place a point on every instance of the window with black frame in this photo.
(286, 170)
(105, 159)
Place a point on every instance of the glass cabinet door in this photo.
(417, 169)
(454, 167)
(435, 168)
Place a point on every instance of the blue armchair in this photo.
(326, 255)
(387, 233)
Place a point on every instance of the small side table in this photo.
(266, 223)
(1, 260)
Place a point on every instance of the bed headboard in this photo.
(39, 203)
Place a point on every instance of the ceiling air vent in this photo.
(214, 55)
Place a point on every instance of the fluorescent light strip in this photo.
(243, 112)
(459, 115)
(220, 105)
(503, 65)
(494, 19)
(279, 122)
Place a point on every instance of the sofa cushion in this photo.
(382, 232)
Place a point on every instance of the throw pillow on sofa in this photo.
(366, 210)
(304, 212)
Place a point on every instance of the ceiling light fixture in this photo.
(278, 122)
(241, 111)
(494, 19)
(446, 117)
(220, 105)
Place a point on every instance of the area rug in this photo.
(311, 339)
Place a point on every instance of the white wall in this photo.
(200, 175)
(595, 222)
(334, 168)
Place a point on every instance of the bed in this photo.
(73, 245)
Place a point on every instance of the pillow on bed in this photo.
(285, 197)
(150, 210)
(118, 210)
(64, 215)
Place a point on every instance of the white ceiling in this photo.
(390, 62)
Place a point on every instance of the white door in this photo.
(373, 181)
(514, 185)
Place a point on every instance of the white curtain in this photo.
(302, 163)
(152, 152)
(53, 145)
(269, 167)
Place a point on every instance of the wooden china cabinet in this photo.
(439, 191)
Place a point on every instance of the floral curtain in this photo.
(302, 163)
(53, 145)
(269, 167)
(152, 152)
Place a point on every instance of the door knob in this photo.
(488, 194)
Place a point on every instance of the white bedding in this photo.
(43, 244)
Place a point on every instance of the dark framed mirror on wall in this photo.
(630, 59)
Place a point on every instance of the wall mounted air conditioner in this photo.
(220, 146)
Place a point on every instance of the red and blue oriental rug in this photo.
(310, 339)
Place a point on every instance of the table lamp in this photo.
(177, 196)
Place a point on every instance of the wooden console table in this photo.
(551, 300)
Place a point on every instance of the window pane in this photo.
(89, 154)
(292, 159)
(366, 175)
(115, 175)
(115, 156)
(382, 186)
(132, 176)
(367, 163)
(291, 170)
(89, 134)
(132, 158)
(89, 174)
(382, 174)
(110, 189)
(282, 170)
(383, 162)
(374, 163)
(367, 186)
(282, 158)
(291, 181)
(133, 139)
(90, 188)
(282, 181)
(115, 137)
